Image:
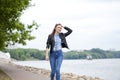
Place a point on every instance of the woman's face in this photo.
(58, 29)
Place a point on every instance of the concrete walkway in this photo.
(19, 74)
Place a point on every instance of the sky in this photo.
(95, 23)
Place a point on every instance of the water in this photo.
(107, 69)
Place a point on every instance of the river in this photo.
(107, 69)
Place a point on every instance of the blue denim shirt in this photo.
(57, 45)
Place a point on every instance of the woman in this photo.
(55, 42)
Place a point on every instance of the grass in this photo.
(4, 76)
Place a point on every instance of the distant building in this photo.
(89, 57)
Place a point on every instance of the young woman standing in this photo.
(55, 42)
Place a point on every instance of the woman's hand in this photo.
(46, 55)
(46, 58)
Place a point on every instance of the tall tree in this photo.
(11, 29)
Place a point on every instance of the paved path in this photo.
(19, 74)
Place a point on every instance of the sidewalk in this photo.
(19, 74)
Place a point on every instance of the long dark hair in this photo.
(53, 32)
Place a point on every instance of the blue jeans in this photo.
(56, 58)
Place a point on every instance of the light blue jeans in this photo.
(56, 58)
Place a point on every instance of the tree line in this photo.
(26, 54)
(96, 53)
(35, 54)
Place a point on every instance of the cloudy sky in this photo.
(95, 23)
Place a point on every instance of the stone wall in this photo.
(64, 76)
(5, 57)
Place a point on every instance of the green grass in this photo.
(4, 76)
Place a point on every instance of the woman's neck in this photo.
(56, 33)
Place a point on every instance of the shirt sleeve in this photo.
(48, 42)
(69, 31)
